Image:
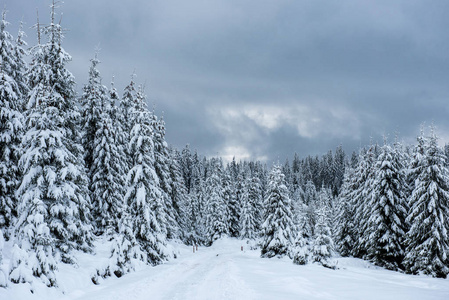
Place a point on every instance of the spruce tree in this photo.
(11, 126)
(388, 210)
(248, 215)
(108, 166)
(143, 197)
(20, 67)
(323, 244)
(345, 226)
(301, 248)
(215, 219)
(162, 168)
(179, 195)
(232, 207)
(278, 228)
(364, 176)
(54, 207)
(92, 101)
(427, 239)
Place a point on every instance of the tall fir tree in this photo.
(388, 211)
(20, 66)
(248, 215)
(108, 167)
(179, 196)
(54, 207)
(427, 240)
(11, 126)
(162, 168)
(323, 245)
(215, 218)
(278, 227)
(345, 227)
(144, 196)
(364, 175)
(92, 101)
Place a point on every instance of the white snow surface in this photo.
(223, 271)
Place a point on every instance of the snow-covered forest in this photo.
(76, 168)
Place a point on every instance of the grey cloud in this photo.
(361, 68)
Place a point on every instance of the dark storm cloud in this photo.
(265, 79)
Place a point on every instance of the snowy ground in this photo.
(224, 272)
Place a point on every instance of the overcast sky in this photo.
(265, 79)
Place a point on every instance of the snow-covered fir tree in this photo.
(143, 197)
(54, 207)
(323, 245)
(301, 251)
(108, 164)
(11, 127)
(20, 66)
(388, 211)
(179, 196)
(427, 239)
(278, 227)
(364, 176)
(232, 207)
(215, 219)
(162, 168)
(248, 214)
(92, 101)
(345, 227)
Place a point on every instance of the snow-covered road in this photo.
(224, 272)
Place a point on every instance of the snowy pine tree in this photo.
(92, 101)
(388, 210)
(278, 227)
(54, 207)
(179, 195)
(20, 67)
(215, 219)
(345, 227)
(323, 245)
(301, 248)
(11, 127)
(248, 215)
(108, 161)
(143, 198)
(427, 239)
(162, 168)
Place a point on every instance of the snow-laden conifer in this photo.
(179, 194)
(20, 67)
(215, 219)
(54, 207)
(143, 197)
(301, 251)
(323, 245)
(248, 214)
(11, 127)
(92, 101)
(427, 239)
(363, 187)
(388, 210)
(106, 161)
(278, 227)
(162, 168)
(232, 207)
(345, 227)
